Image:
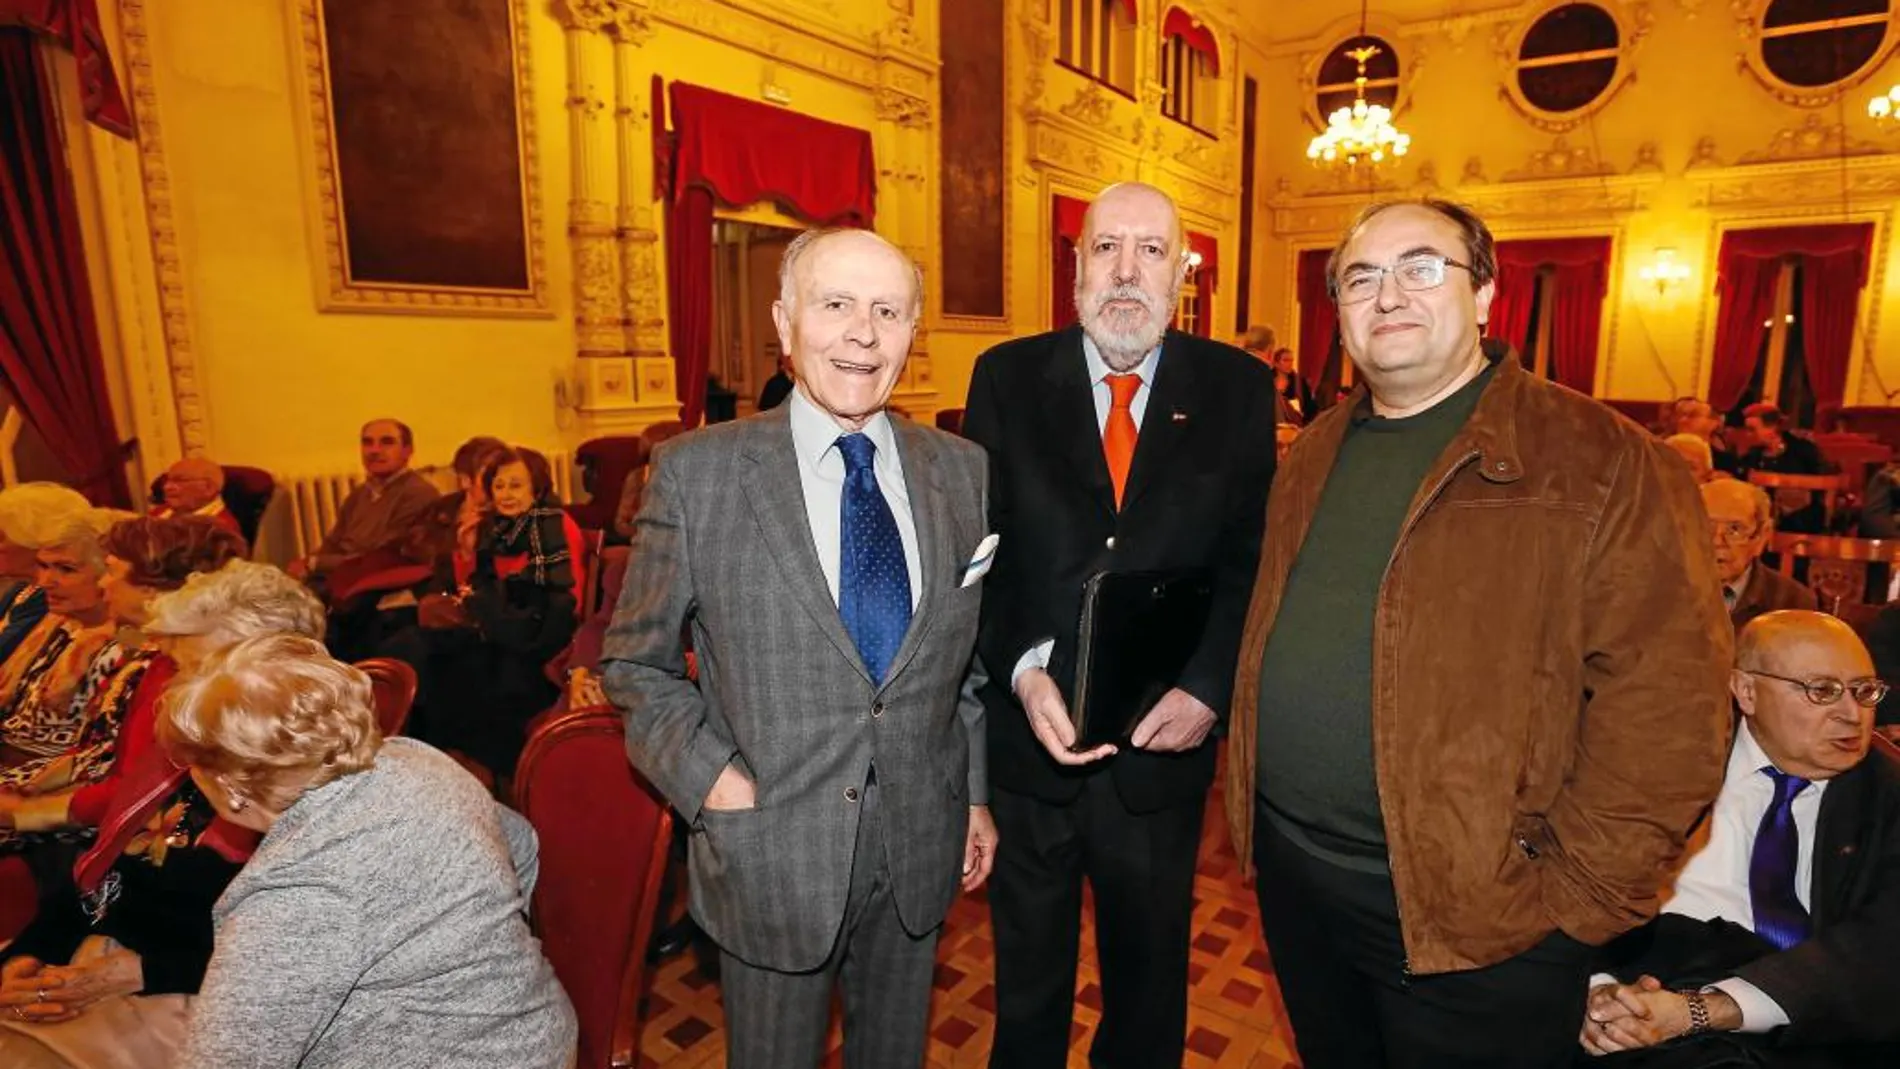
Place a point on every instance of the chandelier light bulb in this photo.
(1362, 131)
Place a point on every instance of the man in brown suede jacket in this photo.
(1481, 690)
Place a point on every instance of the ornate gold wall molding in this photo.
(174, 305)
(808, 45)
(1560, 160)
(1799, 187)
(337, 291)
(1594, 204)
(1813, 139)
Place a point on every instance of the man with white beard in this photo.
(1115, 445)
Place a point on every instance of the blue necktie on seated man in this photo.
(873, 578)
(1779, 916)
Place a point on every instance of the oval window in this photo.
(1334, 88)
(1816, 43)
(1568, 58)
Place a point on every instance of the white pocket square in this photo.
(979, 565)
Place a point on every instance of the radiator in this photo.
(313, 502)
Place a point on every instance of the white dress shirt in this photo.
(1714, 883)
(1037, 656)
(821, 475)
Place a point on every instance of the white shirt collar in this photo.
(814, 433)
(1099, 369)
(1747, 758)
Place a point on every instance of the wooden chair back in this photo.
(393, 683)
(1836, 565)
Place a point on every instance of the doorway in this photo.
(745, 349)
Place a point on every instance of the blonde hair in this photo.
(241, 600)
(33, 515)
(1696, 451)
(273, 717)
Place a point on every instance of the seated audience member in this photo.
(1775, 448)
(103, 977)
(145, 557)
(1883, 642)
(381, 920)
(1779, 941)
(38, 717)
(490, 631)
(192, 488)
(377, 513)
(1880, 504)
(1694, 417)
(1741, 519)
(446, 529)
(779, 386)
(1696, 451)
(32, 515)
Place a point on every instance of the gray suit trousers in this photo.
(778, 1020)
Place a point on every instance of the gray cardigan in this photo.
(380, 923)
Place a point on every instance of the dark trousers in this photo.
(778, 1020)
(1141, 867)
(1334, 936)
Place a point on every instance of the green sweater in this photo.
(1315, 705)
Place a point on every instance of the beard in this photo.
(1124, 348)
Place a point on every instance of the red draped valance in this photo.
(1193, 31)
(1575, 301)
(75, 25)
(1553, 252)
(1773, 243)
(1834, 261)
(746, 152)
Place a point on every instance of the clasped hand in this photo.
(1178, 722)
(47, 994)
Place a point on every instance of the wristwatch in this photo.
(1698, 1011)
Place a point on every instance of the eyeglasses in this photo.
(1733, 531)
(1826, 690)
(1414, 274)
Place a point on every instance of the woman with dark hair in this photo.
(491, 627)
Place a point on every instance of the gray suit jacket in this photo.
(722, 545)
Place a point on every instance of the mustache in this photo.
(1127, 292)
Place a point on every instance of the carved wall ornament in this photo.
(903, 109)
(1473, 174)
(174, 305)
(1090, 106)
(1703, 155)
(1814, 187)
(1560, 160)
(897, 35)
(1648, 158)
(590, 16)
(781, 39)
(1812, 139)
(633, 24)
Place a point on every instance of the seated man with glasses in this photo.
(1779, 944)
(1741, 519)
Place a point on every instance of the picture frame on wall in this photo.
(424, 195)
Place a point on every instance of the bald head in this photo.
(1123, 197)
(192, 483)
(1806, 686)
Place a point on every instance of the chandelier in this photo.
(1360, 132)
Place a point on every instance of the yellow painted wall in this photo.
(1689, 86)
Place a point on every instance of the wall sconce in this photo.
(1885, 108)
(1664, 270)
(1193, 262)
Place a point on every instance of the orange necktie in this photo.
(1118, 434)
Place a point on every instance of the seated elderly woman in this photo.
(143, 558)
(103, 976)
(492, 624)
(381, 920)
(32, 515)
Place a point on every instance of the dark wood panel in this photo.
(971, 188)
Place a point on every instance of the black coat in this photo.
(1838, 985)
(1196, 497)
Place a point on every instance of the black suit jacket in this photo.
(1196, 497)
(1838, 986)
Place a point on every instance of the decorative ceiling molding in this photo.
(1813, 139)
(1560, 160)
(1520, 206)
(1813, 187)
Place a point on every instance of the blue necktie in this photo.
(1779, 915)
(873, 581)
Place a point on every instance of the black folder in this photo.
(1137, 632)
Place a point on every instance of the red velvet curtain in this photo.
(739, 152)
(1319, 317)
(49, 342)
(1198, 36)
(1581, 279)
(1835, 260)
(1066, 233)
(75, 25)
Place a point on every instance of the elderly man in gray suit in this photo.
(827, 559)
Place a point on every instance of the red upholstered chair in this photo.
(394, 685)
(950, 419)
(604, 464)
(247, 493)
(19, 896)
(1880, 422)
(605, 835)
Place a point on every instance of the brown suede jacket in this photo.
(1550, 704)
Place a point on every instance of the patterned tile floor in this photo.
(1235, 1019)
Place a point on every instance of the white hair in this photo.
(84, 533)
(803, 244)
(33, 515)
(239, 601)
